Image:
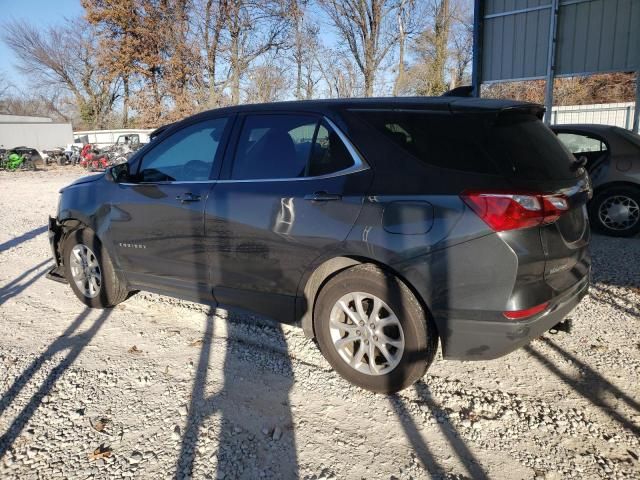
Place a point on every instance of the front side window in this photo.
(581, 143)
(288, 146)
(186, 155)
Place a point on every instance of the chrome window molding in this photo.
(359, 165)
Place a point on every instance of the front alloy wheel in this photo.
(85, 270)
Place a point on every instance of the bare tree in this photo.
(367, 27)
(64, 57)
(5, 86)
(215, 17)
(410, 16)
(339, 74)
(254, 28)
(304, 44)
(461, 45)
(442, 51)
(266, 83)
(117, 26)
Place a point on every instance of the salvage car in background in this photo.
(612, 158)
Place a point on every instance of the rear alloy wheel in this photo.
(366, 333)
(616, 211)
(372, 329)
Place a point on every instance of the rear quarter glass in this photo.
(507, 144)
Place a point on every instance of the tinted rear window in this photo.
(513, 144)
(529, 148)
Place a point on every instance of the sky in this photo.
(40, 12)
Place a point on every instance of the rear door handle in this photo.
(322, 197)
(188, 198)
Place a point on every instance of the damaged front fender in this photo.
(55, 236)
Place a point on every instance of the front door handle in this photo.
(188, 198)
(322, 197)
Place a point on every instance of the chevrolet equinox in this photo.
(380, 226)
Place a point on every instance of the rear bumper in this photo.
(485, 340)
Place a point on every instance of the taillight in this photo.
(528, 312)
(510, 211)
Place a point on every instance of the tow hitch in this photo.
(564, 326)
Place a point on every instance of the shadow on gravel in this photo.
(239, 453)
(470, 462)
(74, 343)
(592, 386)
(449, 431)
(17, 285)
(22, 238)
(617, 301)
(421, 449)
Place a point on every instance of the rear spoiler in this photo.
(465, 101)
(462, 91)
(530, 108)
(494, 107)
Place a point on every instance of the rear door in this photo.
(294, 187)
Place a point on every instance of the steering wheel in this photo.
(196, 170)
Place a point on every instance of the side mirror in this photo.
(118, 173)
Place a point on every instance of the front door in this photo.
(157, 224)
(293, 193)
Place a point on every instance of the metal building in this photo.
(35, 132)
(544, 39)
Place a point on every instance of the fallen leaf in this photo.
(196, 343)
(135, 349)
(101, 424)
(100, 452)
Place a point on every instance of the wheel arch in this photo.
(322, 273)
(72, 224)
(617, 184)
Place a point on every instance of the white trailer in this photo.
(34, 132)
(106, 138)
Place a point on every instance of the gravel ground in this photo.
(161, 388)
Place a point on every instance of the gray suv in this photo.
(383, 227)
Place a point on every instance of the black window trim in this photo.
(359, 164)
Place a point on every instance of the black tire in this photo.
(112, 289)
(61, 160)
(599, 203)
(420, 335)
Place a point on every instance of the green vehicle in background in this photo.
(17, 159)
